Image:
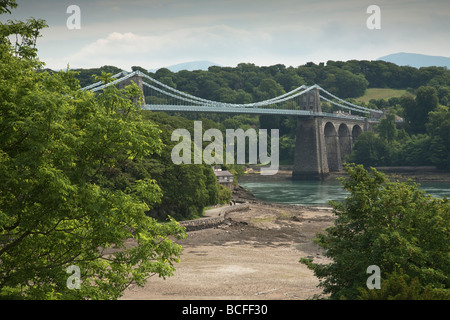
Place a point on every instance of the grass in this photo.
(381, 93)
(262, 220)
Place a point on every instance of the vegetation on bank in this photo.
(394, 226)
(423, 139)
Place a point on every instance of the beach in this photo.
(254, 254)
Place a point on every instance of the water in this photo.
(320, 192)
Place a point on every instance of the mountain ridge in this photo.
(416, 60)
(189, 66)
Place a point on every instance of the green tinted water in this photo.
(320, 192)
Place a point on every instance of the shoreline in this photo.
(414, 173)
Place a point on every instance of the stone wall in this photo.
(205, 223)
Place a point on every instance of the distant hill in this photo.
(416, 60)
(189, 66)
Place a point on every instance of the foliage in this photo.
(187, 188)
(427, 144)
(415, 151)
(438, 128)
(85, 76)
(344, 83)
(224, 194)
(399, 286)
(416, 113)
(19, 36)
(370, 150)
(387, 128)
(389, 224)
(57, 146)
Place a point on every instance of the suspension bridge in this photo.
(323, 138)
(165, 98)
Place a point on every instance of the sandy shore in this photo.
(253, 255)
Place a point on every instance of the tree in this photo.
(187, 188)
(344, 84)
(399, 286)
(267, 89)
(84, 76)
(224, 194)
(416, 114)
(57, 147)
(7, 5)
(415, 151)
(287, 148)
(370, 150)
(438, 128)
(227, 95)
(392, 225)
(289, 80)
(387, 129)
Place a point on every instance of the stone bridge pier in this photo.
(322, 143)
(137, 79)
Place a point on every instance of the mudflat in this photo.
(253, 255)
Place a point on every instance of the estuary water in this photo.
(319, 192)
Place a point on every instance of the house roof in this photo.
(224, 173)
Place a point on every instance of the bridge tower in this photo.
(137, 79)
(310, 158)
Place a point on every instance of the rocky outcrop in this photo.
(204, 223)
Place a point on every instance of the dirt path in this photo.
(253, 255)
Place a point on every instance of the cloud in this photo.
(154, 33)
(128, 49)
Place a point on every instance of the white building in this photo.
(224, 177)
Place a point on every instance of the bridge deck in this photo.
(301, 113)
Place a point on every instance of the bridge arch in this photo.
(332, 147)
(356, 132)
(345, 141)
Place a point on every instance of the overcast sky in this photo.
(156, 33)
